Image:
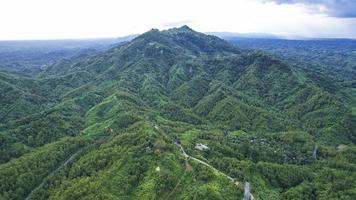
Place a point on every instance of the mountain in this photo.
(335, 57)
(233, 36)
(127, 123)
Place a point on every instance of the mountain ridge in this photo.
(125, 109)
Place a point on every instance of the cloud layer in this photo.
(334, 8)
(61, 19)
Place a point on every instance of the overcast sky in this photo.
(59, 19)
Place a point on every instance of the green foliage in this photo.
(19, 176)
(108, 126)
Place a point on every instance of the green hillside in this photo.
(124, 123)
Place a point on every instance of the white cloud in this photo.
(336, 8)
(44, 19)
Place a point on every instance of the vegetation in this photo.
(111, 125)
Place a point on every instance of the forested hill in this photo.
(110, 125)
(30, 57)
(334, 57)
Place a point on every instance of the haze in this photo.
(62, 19)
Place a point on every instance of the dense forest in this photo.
(333, 57)
(177, 114)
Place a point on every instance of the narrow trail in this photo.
(180, 180)
(210, 166)
(53, 172)
(186, 156)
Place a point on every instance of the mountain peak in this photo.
(182, 29)
(185, 28)
(186, 39)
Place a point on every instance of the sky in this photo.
(65, 19)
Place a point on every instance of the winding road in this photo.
(210, 166)
(186, 156)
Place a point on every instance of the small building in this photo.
(201, 147)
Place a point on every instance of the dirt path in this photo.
(210, 166)
(180, 180)
(202, 162)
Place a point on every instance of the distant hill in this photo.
(232, 35)
(334, 57)
(32, 56)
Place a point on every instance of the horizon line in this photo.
(252, 35)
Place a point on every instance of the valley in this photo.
(123, 122)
